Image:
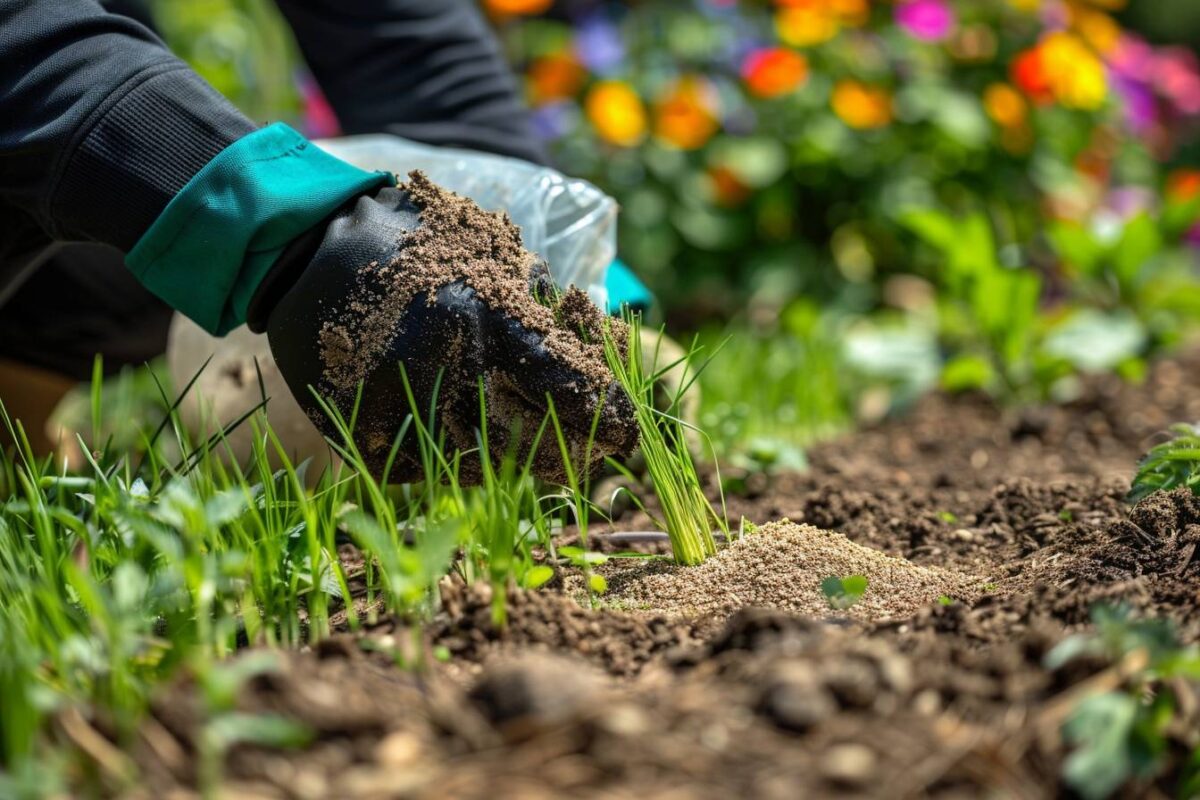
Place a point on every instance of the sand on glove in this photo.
(781, 566)
(459, 241)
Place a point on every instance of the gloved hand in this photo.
(418, 276)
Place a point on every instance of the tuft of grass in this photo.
(176, 555)
(687, 515)
(1174, 463)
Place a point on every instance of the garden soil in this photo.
(987, 536)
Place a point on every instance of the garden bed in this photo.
(987, 537)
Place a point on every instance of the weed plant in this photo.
(1125, 733)
(1174, 463)
(687, 515)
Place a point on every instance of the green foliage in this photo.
(1172, 464)
(841, 593)
(1123, 735)
(242, 47)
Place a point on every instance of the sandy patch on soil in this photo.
(781, 566)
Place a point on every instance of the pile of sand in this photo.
(781, 566)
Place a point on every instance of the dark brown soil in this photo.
(1016, 515)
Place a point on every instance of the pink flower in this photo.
(1178, 77)
(927, 20)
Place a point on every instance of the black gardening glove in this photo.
(416, 276)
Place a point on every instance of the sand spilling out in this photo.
(781, 566)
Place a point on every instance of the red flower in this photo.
(1029, 74)
(774, 72)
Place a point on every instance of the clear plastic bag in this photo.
(567, 221)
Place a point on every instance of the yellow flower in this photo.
(1097, 28)
(1076, 76)
(804, 26)
(1005, 105)
(1026, 5)
(686, 115)
(862, 106)
(616, 112)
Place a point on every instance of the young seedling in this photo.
(687, 515)
(841, 593)
(1172, 464)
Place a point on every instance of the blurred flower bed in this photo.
(1005, 172)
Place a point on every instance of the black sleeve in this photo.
(427, 70)
(100, 126)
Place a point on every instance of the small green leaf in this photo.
(1101, 728)
(537, 576)
(265, 730)
(967, 373)
(843, 592)
(598, 584)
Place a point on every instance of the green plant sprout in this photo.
(1123, 734)
(1174, 463)
(841, 593)
(687, 515)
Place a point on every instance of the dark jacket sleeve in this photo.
(100, 126)
(427, 70)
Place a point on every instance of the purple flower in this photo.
(1126, 202)
(1141, 108)
(927, 20)
(552, 121)
(1192, 237)
(598, 45)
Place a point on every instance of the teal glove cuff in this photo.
(212, 245)
(624, 289)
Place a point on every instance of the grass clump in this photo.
(1172, 464)
(687, 515)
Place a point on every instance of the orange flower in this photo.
(1183, 184)
(1005, 105)
(851, 13)
(616, 112)
(774, 72)
(862, 106)
(518, 7)
(686, 115)
(554, 77)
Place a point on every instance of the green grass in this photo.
(687, 515)
(173, 555)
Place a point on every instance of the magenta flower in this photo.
(927, 20)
